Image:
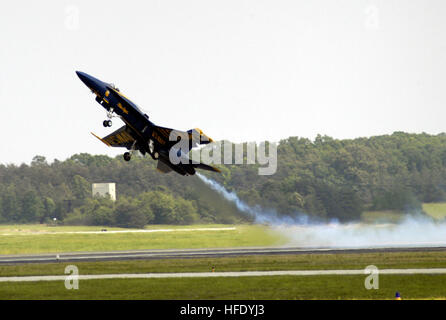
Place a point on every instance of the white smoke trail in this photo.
(258, 214)
(413, 231)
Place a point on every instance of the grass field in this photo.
(384, 216)
(38, 229)
(44, 239)
(435, 210)
(276, 287)
(25, 239)
(269, 288)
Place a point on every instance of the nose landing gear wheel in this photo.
(107, 123)
(127, 156)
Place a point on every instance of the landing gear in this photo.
(155, 155)
(110, 115)
(127, 156)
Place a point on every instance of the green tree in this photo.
(11, 205)
(186, 211)
(49, 208)
(39, 161)
(102, 216)
(81, 188)
(163, 207)
(128, 214)
(32, 207)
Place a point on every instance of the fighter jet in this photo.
(141, 134)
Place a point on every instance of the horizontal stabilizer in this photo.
(170, 136)
(198, 135)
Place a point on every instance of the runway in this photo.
(221, 274)
(193, 253)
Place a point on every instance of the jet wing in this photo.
(199, 136)
(195, 136)
(120, 138)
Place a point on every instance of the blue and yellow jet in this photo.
(140, 134)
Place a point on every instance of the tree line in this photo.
(324, 178)
(339, 179)
(62, 192)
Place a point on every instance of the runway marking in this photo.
(117, 231)
(224, 274)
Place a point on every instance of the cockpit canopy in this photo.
(114, 87)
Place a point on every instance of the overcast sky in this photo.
(239, 70)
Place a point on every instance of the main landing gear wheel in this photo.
(107, 123)
(127, 156)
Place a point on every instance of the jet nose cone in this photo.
(89, 81)
(83, 76)
(95, 85)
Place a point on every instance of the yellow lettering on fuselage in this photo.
(158, 138)
(122, 108)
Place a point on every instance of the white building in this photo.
(104, 189)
